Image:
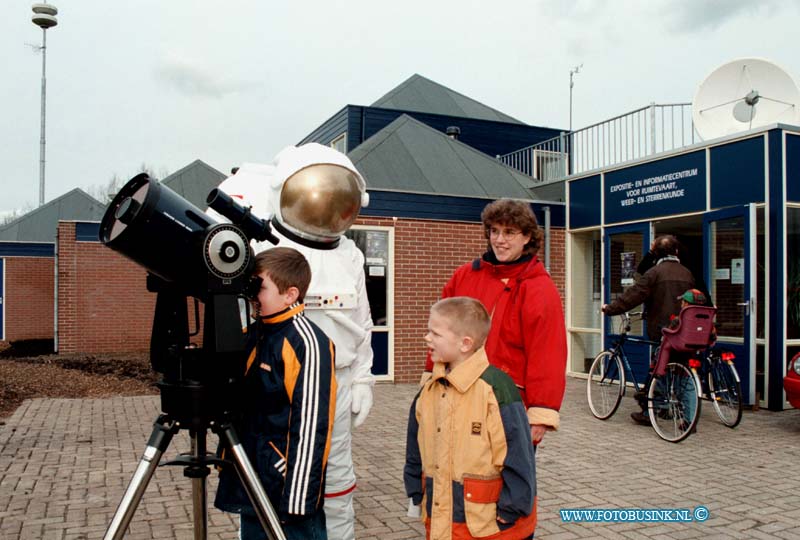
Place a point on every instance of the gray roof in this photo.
(552, 191)
(194, 182)
(410, 156)
(423, 95)
(40, 225)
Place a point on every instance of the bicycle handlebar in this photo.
(626, 319)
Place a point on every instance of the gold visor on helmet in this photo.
(321, 201)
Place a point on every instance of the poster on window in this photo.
(737, 271)
(628, 265)
(377, 248)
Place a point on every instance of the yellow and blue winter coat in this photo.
(289, 394)
(469, 456)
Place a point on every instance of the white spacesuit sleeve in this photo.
(361, 368)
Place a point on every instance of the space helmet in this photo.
(316, 192)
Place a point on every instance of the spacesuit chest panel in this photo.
(334, 275)
(334, 288)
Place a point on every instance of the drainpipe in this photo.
(55, 293)
(546, 210)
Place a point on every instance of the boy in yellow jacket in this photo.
(469, 457)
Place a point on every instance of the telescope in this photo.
(188, 254)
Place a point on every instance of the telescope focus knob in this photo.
(227, 251)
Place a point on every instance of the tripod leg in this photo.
(160, 437)
(198, 475)
(255, 491)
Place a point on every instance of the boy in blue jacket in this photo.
(289, 394)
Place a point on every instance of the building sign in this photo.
(670, 186)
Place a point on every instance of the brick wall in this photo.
(426, 254)
(28, 298)
(103, 302)
(104, 305)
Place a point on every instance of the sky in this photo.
(161, 84)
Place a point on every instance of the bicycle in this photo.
(720, 384)
(673, 402)
(606, 383)
(673, 399)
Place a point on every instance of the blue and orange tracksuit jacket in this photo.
(469, 457)
(289, 395)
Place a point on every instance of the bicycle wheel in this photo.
(673, 403)
(726, 392)
(605, 385)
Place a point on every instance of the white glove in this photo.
(361, 401)
(414, 510)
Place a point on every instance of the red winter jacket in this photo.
(527, 338)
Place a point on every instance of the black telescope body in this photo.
(189, 254)
(177, 242)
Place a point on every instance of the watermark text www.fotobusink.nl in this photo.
(636, 515)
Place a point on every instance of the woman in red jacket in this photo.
(527, 339)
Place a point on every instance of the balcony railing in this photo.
(633, 135)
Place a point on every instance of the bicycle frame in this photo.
(618, 349)
(608, 382)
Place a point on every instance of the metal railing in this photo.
(633, 135)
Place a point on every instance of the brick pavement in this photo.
(64, 465)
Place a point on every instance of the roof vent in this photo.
(453, 132)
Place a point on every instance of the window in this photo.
(793, 273)
(340, 143)
(377, 245)
(374, 244)
(584, 300)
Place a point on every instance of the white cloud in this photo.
(194, 79)
(704, 15)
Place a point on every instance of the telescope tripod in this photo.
(196, 466)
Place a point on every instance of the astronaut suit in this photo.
(313, 194)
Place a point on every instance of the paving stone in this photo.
(65, 464)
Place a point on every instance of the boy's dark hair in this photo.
(466, 317)
(286, 267)
(513, 213)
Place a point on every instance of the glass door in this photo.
(729, 262)
(377, 245)
(625, 246)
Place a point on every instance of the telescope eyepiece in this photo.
(253, 226)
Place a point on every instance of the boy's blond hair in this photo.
(466, 317)
(286, 267)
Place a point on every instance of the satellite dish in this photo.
(744, 94)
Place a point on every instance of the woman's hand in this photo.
(537, 433)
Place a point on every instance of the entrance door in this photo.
(377, 245)
(729, 260)
(2, 306)
(624, 248)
